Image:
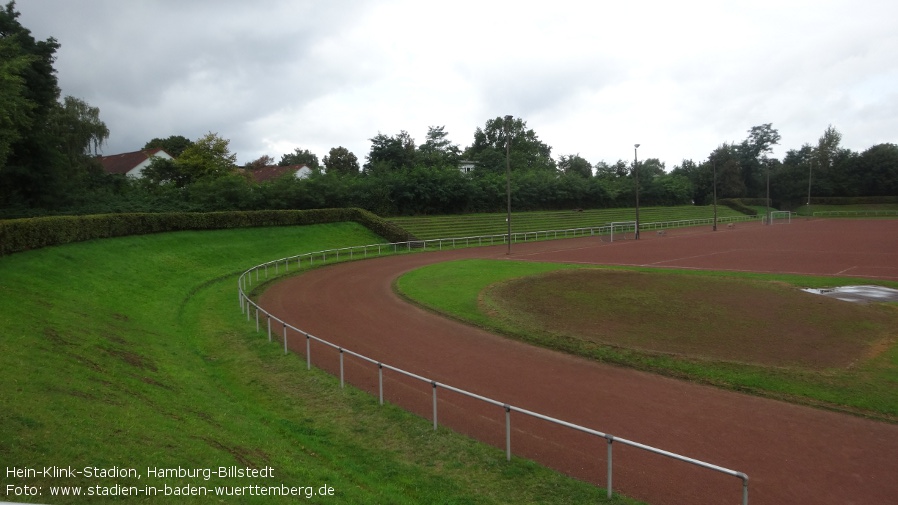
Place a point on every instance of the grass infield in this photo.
(132, 353)
(778, 342)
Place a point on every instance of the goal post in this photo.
(622, 230)
(780, 217)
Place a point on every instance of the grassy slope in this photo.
(868, 388)
(133, 353)
(806, 210)
(465, 225)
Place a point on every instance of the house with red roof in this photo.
(273, 172)
(132, 164)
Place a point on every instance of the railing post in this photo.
(308, 352)
(269, 326)
(285, 338)
(507, 433)
(744, 488)
(257, 319)
(434, 405)
(610, 440)
(342, 383)
(380, 381)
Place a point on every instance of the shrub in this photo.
(33, 233)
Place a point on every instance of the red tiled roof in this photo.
(273, 172)
(123, 163)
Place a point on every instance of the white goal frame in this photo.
(623, 227)
(784, 216)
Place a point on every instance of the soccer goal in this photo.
(620, 230)
(780, 217)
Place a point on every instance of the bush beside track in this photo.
(34, 233)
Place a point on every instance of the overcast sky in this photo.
(589, 77)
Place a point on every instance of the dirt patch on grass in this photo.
(716, 318)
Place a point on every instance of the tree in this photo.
(261, 162)
(878, 170)
(752, 156)
(163, 172)
(16, 116)
(526, 150)
(33, 171)
(725, 162)
(173, 145)
(437, 150)
(700, 180)
(391, 153)
(208, 157)
(828, 146)
(573, 164)
(78, 128)
(341, 162)
(300, 157)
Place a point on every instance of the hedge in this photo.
(33, 233)
(738, 205)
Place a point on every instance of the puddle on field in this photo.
(858, 294)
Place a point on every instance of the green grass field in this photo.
(467, 225)
(133, 353)
(864, 386)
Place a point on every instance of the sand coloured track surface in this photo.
(793, 454)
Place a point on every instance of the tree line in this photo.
(48, 164)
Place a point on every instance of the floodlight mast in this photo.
(636, 171)
(508, 120)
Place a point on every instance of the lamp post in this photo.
(714, 168)
(810, 172)
(636, 170)
(767, 166)
(508, 120)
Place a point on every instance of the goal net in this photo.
(780, 217)
(620, 230)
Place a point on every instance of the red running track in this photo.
(792, 454)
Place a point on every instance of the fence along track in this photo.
(350, 253)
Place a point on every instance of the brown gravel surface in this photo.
(792, 454)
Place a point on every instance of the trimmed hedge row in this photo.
(33, 233)
(738, 205)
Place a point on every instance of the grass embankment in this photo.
(849, 361)
(853, 210)
(132, 353)
(467, 225)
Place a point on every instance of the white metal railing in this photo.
(247, 305)
(855, 213)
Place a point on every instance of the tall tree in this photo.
(208, 157)
(526, 150)
(300, 157)
(173, 145)
(437, 150)
(391, 153)
(341, 161)
(573, 164)
(260, 162)
(725, 161)
(828, 148)
(878, 170)
(78, 128)
(752, 157)
(16, 116)
(34, 169)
